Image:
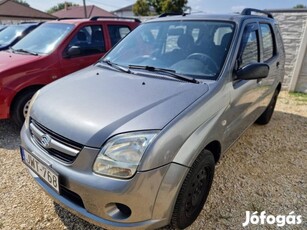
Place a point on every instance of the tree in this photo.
(60, 6)
(22, 2)
(176, 6)
(142, 7)
(299, 6)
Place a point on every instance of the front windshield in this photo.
(193, 48)
(8, 35)
(45, 38)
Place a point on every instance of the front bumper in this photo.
(150, 195)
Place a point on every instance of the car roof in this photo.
(24, 25)
(217, 17)
(29, 23)
(77, 21)
(245, 14)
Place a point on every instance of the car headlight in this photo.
(121, 155)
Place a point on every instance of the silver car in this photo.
(132, 141)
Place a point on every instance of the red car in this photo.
(51, 51)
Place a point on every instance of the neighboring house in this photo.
(12, 12)
(125, 11)
(293, 26)
(78, 12)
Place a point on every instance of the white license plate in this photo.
(42, 170)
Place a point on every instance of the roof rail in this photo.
(29, 22)
(171, 14)
(248, 11)
(68, 18)
(94, 18)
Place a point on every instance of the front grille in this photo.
(54, 144)
(61, 156)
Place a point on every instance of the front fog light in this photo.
(121, 155)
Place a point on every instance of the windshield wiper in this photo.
(116, 66)
(170, 72)
(24, 51)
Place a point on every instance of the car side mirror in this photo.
(72, 52)
(253, 71)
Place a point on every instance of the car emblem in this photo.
(45, 141)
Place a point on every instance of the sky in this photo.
(206, 6)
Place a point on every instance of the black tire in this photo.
(194, 191)
(19, 108)
(266, 116)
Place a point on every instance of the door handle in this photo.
(277, 64)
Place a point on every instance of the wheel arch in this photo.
(278, 88)
(23, 91)
(167, 195)
(215, 148)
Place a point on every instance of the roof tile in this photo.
(14, 9)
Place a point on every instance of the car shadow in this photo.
(71, 221)
(9, 135)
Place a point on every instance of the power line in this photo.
(102, 3)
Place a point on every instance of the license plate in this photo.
(42, 170)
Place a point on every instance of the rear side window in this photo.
(174, 32)
(220, 33)
(117, 32)
(267, 41)
(181, 37)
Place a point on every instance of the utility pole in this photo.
(84, 5)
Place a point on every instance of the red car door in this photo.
(84, 49)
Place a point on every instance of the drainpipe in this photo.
(299, 61)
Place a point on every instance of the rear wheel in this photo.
(266, 116)
(20, 107)
(194, 191)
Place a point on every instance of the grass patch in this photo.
(302, 97)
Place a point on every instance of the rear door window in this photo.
(267, 41)
(117, 32)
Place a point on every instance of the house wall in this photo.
(292, 24)
(124, 13)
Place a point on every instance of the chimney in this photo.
(65, 6)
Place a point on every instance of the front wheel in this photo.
(20, 107)
(194, 191)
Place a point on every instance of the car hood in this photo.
(93, 104)
(10, 60)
